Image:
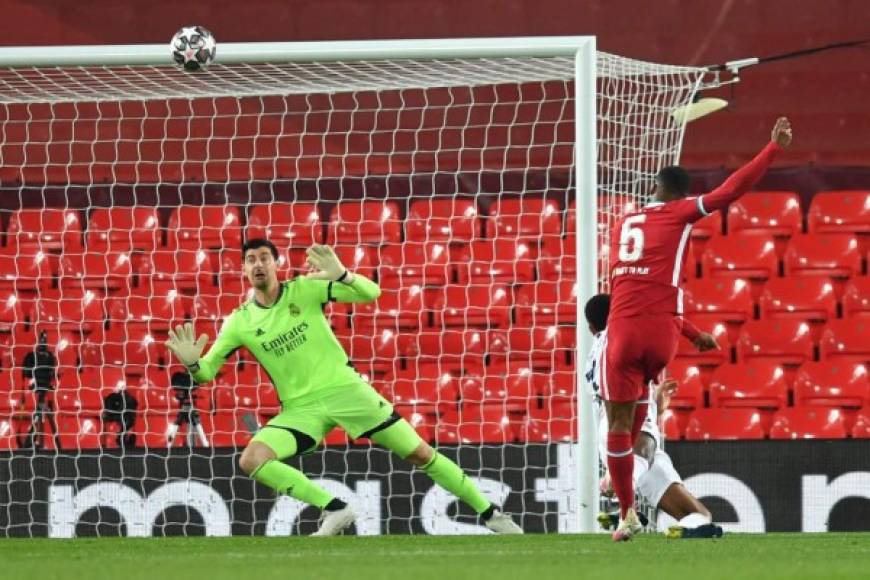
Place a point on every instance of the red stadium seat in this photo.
(26, 272)
(758, 383)
(860, 428)
(365, 222)
(556, 424)
(787, 341)
(159, 312)
(810, 299)
(562, 388)
(516, 388)
(429, 389)
(832, 385)
(44, 230)
(834, 255)
(378, 351)
(123, 229)
(747, 255)
(11, 311)
(79, 431)
(558, 259)
(730, 299)
(722, 424)
(775, 212)
(285, 224)
(524, 217)
(547, 303)
(495, 261)
(132, 348)
(847, 340)
(856, 298)
(486, 424)
(70, 398)
(475, 306)
(690, 387)
(671, 425)
(194, 227)
(688, 353)
(424, 264)
(808, 423)
(846, 211)
(394, 309)
(160, 272)
(452, 347)
(97, 271)
(707, 227)
(361, 259)
(702, 230)
(76, 311)
(541, 347)
(442, 220)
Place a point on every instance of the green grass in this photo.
(538, 557)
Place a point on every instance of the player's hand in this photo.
(184, 346)
(326, 265)
(664, 391)
(781, 134)
(705, 341)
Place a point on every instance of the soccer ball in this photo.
(193, 48)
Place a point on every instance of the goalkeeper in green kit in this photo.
(285, 328)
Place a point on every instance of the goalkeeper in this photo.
(285, 328)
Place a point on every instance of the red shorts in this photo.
(636, 351)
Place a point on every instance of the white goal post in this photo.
(500, 120)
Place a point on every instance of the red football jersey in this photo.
(648, 247)
(647, 255)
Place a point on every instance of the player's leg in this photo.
(622, 386)
(364, 413)
(662, 487)
(263, 458)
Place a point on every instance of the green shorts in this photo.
(357, 408)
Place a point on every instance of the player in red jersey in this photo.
(648, 250)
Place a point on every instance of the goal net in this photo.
(464, 184)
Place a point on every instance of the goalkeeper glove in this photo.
(186, 349)
(327, 266)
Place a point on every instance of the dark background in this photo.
(826, 95)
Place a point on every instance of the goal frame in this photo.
(581, 48)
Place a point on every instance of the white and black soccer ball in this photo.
(193, 48)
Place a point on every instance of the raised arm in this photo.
(342, 284)
(203, 368)
(744, 178)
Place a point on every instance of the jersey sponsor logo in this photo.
(631, 270)
(294, 310)
(288, 341)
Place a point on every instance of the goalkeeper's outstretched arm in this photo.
(189, 351)
(344, 285)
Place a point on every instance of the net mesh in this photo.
(127, 192)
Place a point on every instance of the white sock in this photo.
(641, 466)
(694, 520)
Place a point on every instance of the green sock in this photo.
(449, 476)
(289, 481)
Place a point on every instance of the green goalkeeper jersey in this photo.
(292, 338)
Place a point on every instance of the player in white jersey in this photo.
(655, 478)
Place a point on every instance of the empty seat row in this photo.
(375, 221)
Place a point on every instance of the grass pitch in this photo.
(533, 557)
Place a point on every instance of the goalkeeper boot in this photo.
(333, 523)
(629, 526)
(501, 523)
